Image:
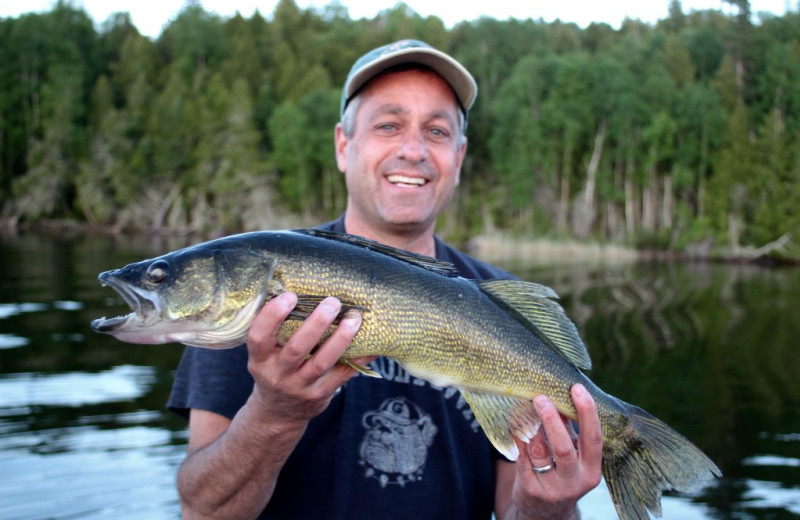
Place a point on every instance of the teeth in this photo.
(402, 179)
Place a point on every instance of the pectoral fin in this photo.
(306, 303)
(503, 418)
(361, 369)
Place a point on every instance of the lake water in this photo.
(710, 349)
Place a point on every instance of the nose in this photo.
(413, 147)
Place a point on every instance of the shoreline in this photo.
(500, 246)
(493, 248)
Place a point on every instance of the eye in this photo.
(386, 127)
(158, 271)
(439, 134)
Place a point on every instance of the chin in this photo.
(406, 221)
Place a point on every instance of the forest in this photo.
(677, 135)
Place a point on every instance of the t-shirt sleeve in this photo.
(213, 380)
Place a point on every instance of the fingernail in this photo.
(541, 402)
(286, 299)
(331, 306)
(352, 320)
(579, 389)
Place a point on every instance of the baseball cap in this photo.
(402, 52)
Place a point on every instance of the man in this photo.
(280, 432)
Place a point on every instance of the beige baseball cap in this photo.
(401, 52)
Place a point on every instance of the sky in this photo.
(150, 16)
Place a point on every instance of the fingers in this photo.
(539, 454)
(325, 358)
(264, 330)
(306, 338)
(304, 355)
(590, 440)
(555, 438)
(555, 444)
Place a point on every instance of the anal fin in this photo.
(503, 418)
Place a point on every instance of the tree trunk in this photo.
(667, 203)
(586, 214)
(630, 205)
(650, 194)
(563, 204)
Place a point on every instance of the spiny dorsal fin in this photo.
(533, 305)
(503, 418)
(426, 262)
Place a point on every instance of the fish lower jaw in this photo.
(136, 328)
(121, 324)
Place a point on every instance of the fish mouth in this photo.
(143, 304)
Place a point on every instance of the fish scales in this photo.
(443, 318)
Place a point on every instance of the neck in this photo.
(416, 241)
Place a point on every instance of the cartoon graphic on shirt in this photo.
(395, 446)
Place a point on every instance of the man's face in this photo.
(403, 161)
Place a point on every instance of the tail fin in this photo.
(648, 458)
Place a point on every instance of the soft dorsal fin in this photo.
(426, 262)
(532, 304)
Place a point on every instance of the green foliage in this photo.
(304, 154)
(682, 133)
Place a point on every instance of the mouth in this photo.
(140, 302)
(406, 181)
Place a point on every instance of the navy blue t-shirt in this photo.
(390, 448)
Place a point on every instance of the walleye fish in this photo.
(500, 342)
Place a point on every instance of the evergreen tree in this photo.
(667, 134)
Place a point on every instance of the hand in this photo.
(575, 469)
(292, 384)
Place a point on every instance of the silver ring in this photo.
(543, 469)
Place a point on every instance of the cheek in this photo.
(449, 170)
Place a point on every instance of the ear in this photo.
(340, 142)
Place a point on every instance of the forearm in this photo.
(234, 476)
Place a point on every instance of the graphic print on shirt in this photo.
(395, 445)
(390, 370)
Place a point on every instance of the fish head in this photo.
(205, 296)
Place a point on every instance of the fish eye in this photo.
(158, 271)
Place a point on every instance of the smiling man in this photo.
(280, 430)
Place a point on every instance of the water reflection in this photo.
(120, 383)
(83, 433)
(710, 349)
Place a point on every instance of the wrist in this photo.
(261, 416)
